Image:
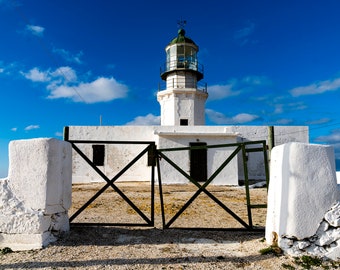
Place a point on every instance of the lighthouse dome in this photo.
(181, 38)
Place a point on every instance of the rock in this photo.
(333, 216)
(328, 237)
(286, 243)
(333, 253)
(294, 250)
(303, 244)
(258, 185)
(322, 228)
(315, 250)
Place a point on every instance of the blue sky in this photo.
(72, 62)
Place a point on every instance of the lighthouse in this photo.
(183, 101)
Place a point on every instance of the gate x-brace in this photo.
(154, 155)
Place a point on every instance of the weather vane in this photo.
(181, 23)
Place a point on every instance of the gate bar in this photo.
(110, 182)
(202, 188)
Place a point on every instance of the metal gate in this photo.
(244, 148)
(148, 150)
(154, 156)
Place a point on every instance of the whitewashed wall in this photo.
(186, 103)
(283, 134)
(117, 156)
(175, 136)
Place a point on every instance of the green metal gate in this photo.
(154, 156)
(148, 150)
(243, 148)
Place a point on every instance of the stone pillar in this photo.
(36, 196)
(302, 189)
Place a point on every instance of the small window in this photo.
(98, 155)
(183, 122)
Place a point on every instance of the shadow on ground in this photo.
(116, 236)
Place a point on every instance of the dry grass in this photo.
(110, 207)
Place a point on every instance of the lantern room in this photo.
(181, 54)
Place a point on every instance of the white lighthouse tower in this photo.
(183, 101)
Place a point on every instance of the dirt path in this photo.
(153, 247)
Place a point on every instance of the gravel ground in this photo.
(100, 247)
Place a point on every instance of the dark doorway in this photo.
(98, 155)
(198, 162)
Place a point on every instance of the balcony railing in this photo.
(183, 83)
(182, 64)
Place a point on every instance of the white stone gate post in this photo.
(36, 195)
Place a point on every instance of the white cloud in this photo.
(244, 118)
(256, 80)
(66, 73)
(284, 121)
(280, 108)
(36, 75)
(334, 137)
(31, 127)
(35, 30)
(8, 69)
(99, 90)
(63, 83)
(318, 121)
(60, 75)
(68, 56)
(243, 35)
(148, 120)
(59, 134)
(236, 86)
(217, 92)
(245, 31)
(14, 129)
(316, 88)
(221, 119)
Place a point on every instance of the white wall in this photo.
(283, 134)
(175, 136)
(117, 156)
(215, 157)
(186, 103)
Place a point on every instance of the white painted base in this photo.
(26, 241)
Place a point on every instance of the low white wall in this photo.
(39, 188)
(302, 190)
(282, 134)
(117, 156)
(171, 136)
